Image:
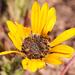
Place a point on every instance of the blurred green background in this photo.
(20, 10)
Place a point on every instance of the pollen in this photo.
(35, 47)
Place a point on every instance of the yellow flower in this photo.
(32, 42)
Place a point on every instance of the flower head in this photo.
(34, 43)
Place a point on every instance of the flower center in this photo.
(35, 47)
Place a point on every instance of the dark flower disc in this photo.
(35, 47)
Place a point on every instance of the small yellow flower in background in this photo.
(32, 42)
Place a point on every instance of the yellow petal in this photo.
(17, 33)
(33, 64)
(13, 51)
(56, 58)
(51, 20)
(63, 36)
(65, 49)
(11, 26)
(18, 29)
(23, 31)
(43, 17)
(35, 17)
(25, 63)
(16, 40)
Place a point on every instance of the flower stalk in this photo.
(67, 66)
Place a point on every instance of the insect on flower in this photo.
(32, 42)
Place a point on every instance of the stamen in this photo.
(35, 47)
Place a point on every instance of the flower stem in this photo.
(66, 67)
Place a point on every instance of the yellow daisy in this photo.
(33, 43)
